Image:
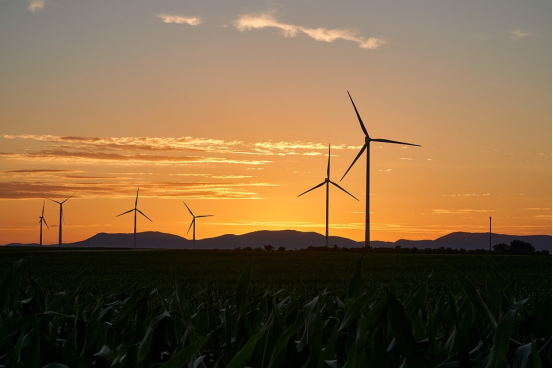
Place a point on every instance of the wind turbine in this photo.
(135, 211)
(193, 225)
(41, 221)
(366, 146)
(61, 214)
(327, 181)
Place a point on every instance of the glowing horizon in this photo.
(232, 110)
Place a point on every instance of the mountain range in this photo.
(295, 240)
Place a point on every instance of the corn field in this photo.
(137, 326)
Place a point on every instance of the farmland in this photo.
(307, 273)
(234, 309)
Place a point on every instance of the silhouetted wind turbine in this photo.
(193, 225)
(327, 181)
(366, 146)
(41, 221)
(61, 214)
(135, 211)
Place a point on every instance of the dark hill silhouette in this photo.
(291, 240)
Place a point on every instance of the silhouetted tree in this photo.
(269, 248)
(519, 247)
(281, 248)
(501, 248)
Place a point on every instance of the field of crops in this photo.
(224, 309)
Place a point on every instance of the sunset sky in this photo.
(230, 106)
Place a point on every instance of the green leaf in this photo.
(31, 358)
(536, 362)
(106, 353)
(475, 298)
(282, 343)
(414, 304)
(522, 356)
(242, 289)
(501, 338)
(144, 346)
(244, 355)
(182, 357)
(355, 309)
(356, 283)
(493, 288)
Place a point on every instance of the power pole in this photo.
(490, 233)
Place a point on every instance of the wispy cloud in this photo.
(109, 145)
(518, 34)
(196, 190)
(180, 19)
(460, 211)
(249, 22)
(36, 5)
(39, 171)
(90, 157)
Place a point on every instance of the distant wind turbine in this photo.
(62, 219)
(193, 225)
(42, 220)
(135, 211)
(366, 146)
(327, 181)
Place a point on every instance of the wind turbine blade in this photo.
(357, 157)
(188, 208)
(191, 223)
(328, 167)
(63, 217)
(336, 184)
(359, 117)
(203, 216)
(136, 201)
(124, 213)
(319, 185)
(144, 215)
(69, 197)
(43, 207)
(45, 223)
(54, 201)
(393, 142)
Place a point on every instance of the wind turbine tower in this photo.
(42, 220)
(61, 216)
(193, 225)
(366, 146)
(327, 181)
(135, 211)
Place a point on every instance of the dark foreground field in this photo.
(307, 273)
(235, 309)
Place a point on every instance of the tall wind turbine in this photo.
(193, 225)
(366, 146)
(135, 211)
(327, 181)
(42, 220)
(61, 215)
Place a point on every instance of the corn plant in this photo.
(367, 326)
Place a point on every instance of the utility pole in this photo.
(490, 233)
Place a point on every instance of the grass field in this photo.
(307, 273)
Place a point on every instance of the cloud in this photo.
(249, 22)
(39, 171)
(91, 157)
(107, 145)
(36, 5)
(518, 34)
(460, 211)
(179, 19)
(196, 190)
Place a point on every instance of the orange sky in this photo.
(232, 108)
